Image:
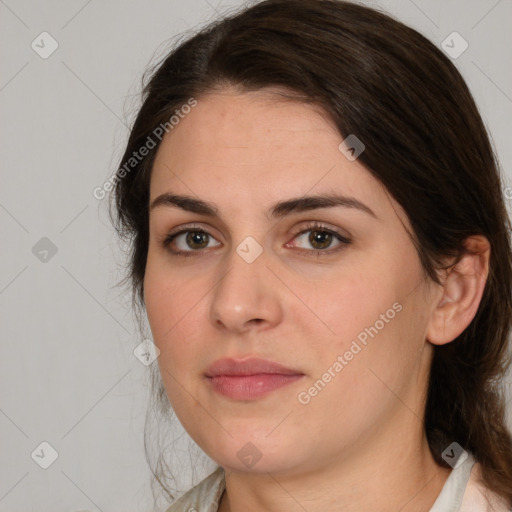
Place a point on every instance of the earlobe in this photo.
(461, 293)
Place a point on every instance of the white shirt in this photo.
(462, 492)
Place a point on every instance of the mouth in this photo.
(249, 379)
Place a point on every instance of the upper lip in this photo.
(251, 366)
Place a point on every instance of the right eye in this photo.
(189, 241)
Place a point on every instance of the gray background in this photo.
(68, 375)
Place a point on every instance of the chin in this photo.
(250, 454)
(273, 464)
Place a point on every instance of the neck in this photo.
(397, 479)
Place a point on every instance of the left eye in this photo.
(320, 239)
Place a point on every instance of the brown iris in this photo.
(320, 239)
(197, 239)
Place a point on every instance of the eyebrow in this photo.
(278, 210)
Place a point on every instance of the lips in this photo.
(253, 366)
(249, 379)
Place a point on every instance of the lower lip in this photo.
(247, 387)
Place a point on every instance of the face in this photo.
(267, 242)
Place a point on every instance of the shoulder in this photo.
(204, 497)
(478, 498)
(464, 491)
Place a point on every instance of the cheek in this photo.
(166, 312)
(177, 310)
(371, 323)
(160, 307)
(169, 308)
(355, 302)
(382, 356)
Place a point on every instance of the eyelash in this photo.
(344, 241)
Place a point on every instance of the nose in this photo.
(247, 297)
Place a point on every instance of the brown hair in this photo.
(425, 142)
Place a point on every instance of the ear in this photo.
(461, 292)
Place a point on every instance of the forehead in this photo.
(233, 125)
(257, 148)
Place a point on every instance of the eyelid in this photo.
(343, 240)
(192, 226)
(184, 228)
(320, 226)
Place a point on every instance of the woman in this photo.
(321, 246)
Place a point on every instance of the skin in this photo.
(359, 443)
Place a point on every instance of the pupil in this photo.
(197, 240)
(320, 239)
